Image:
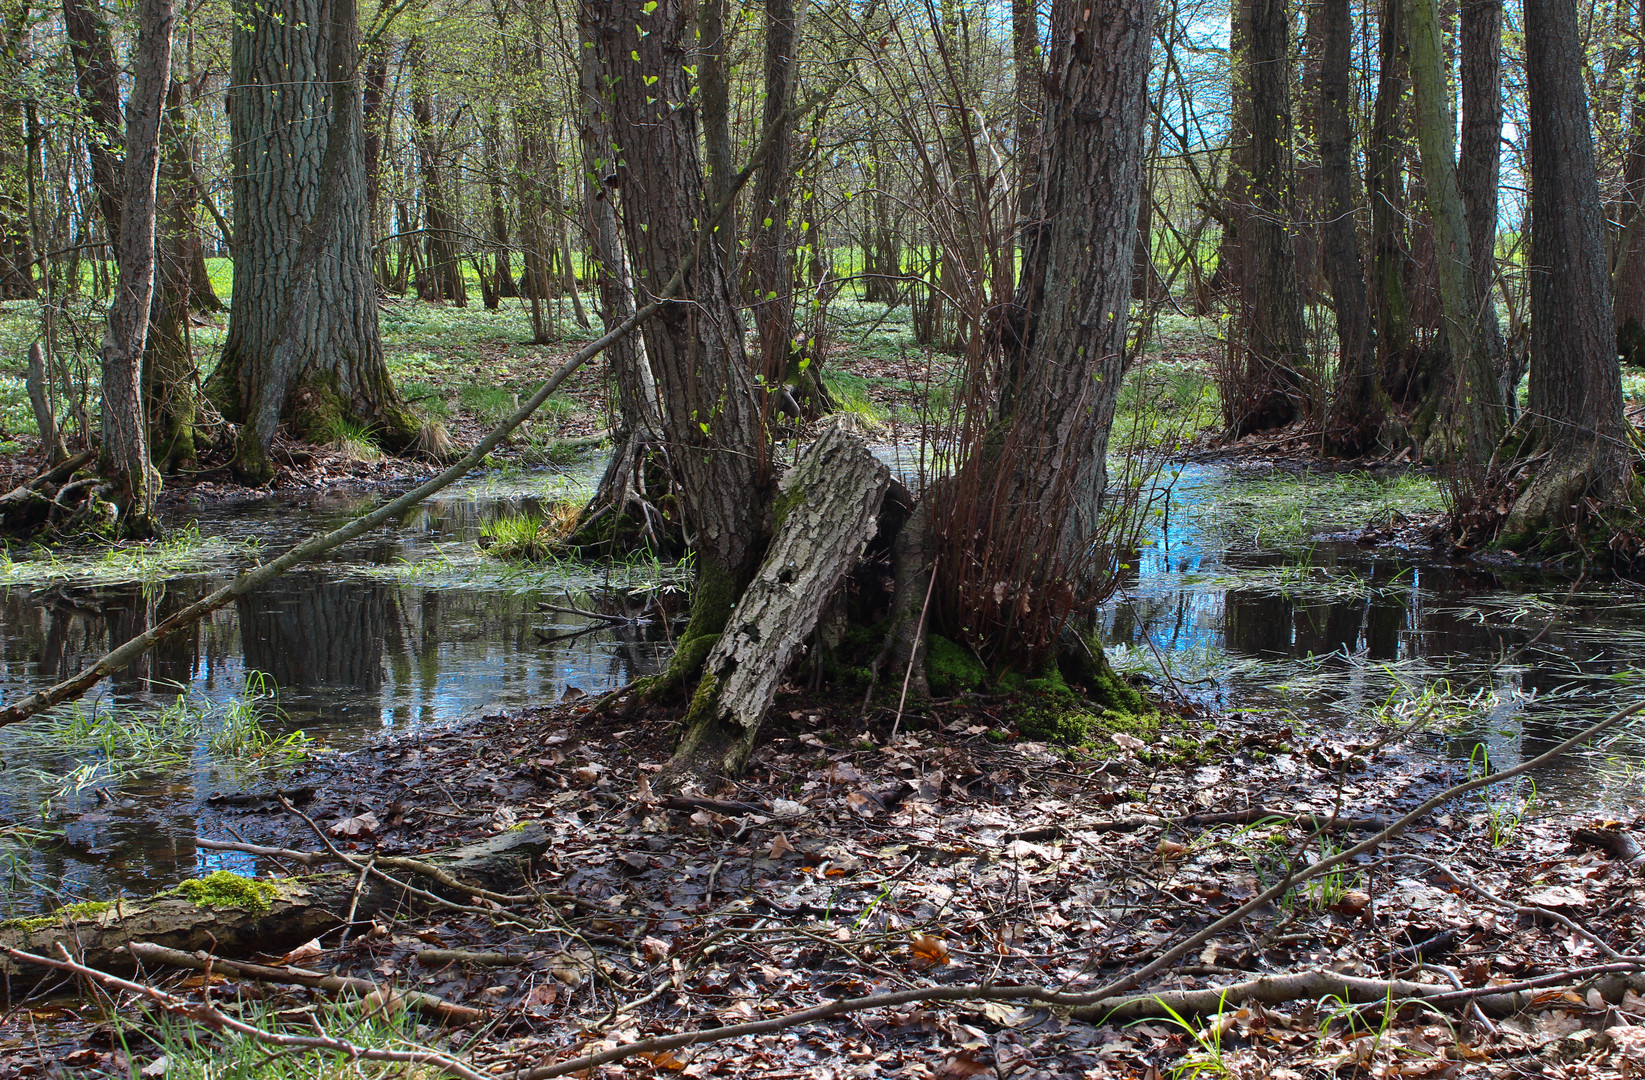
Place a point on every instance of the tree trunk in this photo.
(445, 268)
(1628, 275)
(304, 347)
(1474, 410)
(1236, 189)
(125, 438)
(1357, 410)
(16, 228)
(1029, 74)
(1479, 167)
(712, 413)
(169, 376)
(1390, 255)
(826, 507)
(372, 90)
(1572, 444)
(1015, 531)
(636, 441)
(502, 273)
(714, 89)
(1272, 338)
(770, 255)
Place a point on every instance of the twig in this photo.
(427, 1004)
(354, 901)
(915, 651)
(212, 1017)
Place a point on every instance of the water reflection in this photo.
(1327, 630)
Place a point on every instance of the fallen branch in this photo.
(1619, 844)
(433, 1007)
(291, 910)
(203, 1012)
(442, 957)
(1268, 989)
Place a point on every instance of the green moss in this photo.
(221, 889)
(789, 499)
(950, 667)
(67, 913)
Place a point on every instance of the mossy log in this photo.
(825, 512)
(233, 917)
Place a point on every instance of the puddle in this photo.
(1327, 630)
(408, 627)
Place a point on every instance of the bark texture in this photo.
(712, 413)
(1628, 273)
(1572, 445)
(303, 348)
(1390, 254)
(1357, 410)
(1015, 531)
(1272, 340)
(827, 509)
(1464, 419)
(636, 441)
(125, 428)
(1479, 168)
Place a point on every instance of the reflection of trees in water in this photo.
(305, 631)
(50, 635)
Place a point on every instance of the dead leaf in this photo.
(960, 1065)
(360, 825)
(665, 1059)
(861, 804)
(155, 1068)
(585, 774)
(779, 847)
(1558, 896)
(929, 951)
(1128, 742)
(1170, 849)
(383, 1002)
(540, 996)
(301, 954)
(655, 948)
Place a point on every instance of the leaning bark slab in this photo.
(295, 910)
(826, 511)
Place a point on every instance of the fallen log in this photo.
(232, 916)
(825, 513)
(428, 1005)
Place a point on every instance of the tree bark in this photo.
(1390, 254)
(1573, 445)
(636, 441)
(712, 412)
(1272, 341)
(1357, 409)
(1628, 274)
(125, 458)
(714, 88)
(827, 508)
(444, 282)
(1479, 167)
(770, 255)
(1467, 418)
(1015, 531)
(304, 347)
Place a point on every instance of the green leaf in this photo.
(649, 79)
(767, 224)
(651, 5)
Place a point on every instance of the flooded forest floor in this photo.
(1318, 671)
